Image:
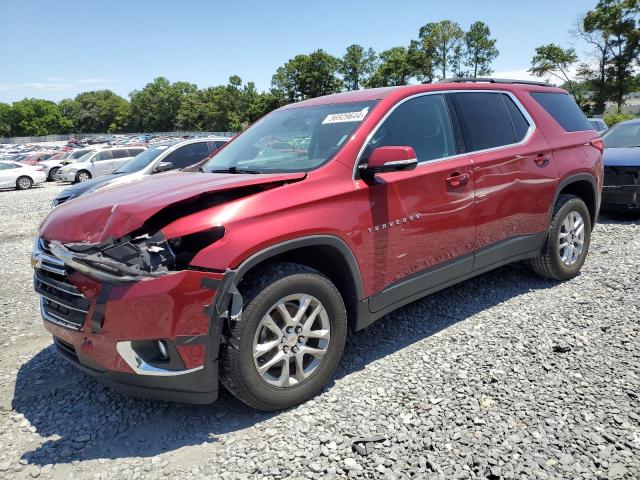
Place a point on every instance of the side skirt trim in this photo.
(442, 276)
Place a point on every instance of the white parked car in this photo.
(20, 176)
(97, 163)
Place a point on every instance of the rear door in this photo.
(417, 226)
(515, 179)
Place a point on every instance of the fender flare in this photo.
(228, 301)
(578, 177)
(300, 242)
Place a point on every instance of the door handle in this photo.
(457, 179)
(542, 160)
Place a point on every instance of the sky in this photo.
(56, 50)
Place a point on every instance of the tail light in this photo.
(598, 144)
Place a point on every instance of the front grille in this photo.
(61, 302)
(65, 349)
(621, 186)
(617, 176)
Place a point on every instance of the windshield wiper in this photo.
(235, 170)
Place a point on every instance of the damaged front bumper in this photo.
(115, 326)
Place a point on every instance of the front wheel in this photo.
(567, 241)
(289, 339)
(82, 176)
(24, 183)
(52, 174)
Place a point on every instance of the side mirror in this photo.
(390, 159)
(163, 167)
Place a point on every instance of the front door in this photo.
(103, 163)
(417, 226)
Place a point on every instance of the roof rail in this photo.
(494, 80)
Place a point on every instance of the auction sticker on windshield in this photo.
(346, 117)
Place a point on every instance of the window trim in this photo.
(532, 127)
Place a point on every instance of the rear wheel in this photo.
(82, 176)
(52, 174)
(567, 242)
(24, 183)
(289, 339)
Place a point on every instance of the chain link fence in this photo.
(78, 136)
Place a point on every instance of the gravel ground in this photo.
(504, 376)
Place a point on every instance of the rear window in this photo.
(485, 120)
(564, 110)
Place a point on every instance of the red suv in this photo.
(324, 215)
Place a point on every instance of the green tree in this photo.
(420, 56)
(33, 116)
(616, 21)
(308, 76)
(357, 65)
(156, 106)
(5, 120)
(480, 49)
(394, 69)
(553, 60)
(444, 40)
(99, 111)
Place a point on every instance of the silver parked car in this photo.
(51, 167)
(97, 163)
(157, 158)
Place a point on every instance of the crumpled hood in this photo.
(117, 211)
(622, 157)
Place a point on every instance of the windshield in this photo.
(141, 160)
(79, 154)
(623, 136)
(293, 140)
(85, 157)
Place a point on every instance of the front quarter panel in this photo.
(322, 204)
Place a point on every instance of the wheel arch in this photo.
(313, 251)
(582, 185)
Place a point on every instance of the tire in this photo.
(24, 183)
(275, 284)
(52, 173)
(82, 176)
(554, 262)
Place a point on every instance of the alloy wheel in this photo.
(291, 340)
(571, 239)
(24, 183)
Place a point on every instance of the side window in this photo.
(212, 146)
(188, 155)
(220, 144)
(564, 110)
(484, 119)
(422, 123)
(135, 151)
(4, 166)
(520, 123)
(102, 156)
(119, 154)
